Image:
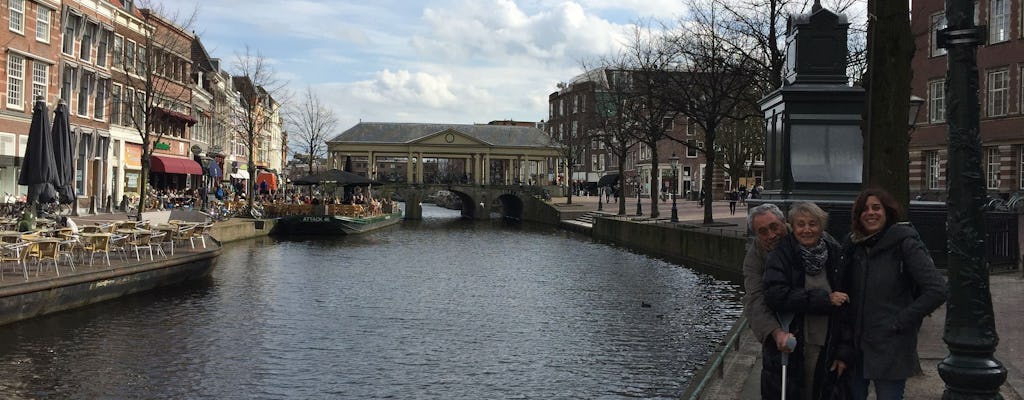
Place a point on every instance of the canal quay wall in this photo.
(241, 228)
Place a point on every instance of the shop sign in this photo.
(162, 146)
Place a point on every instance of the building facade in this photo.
(571, 119)
(95, 56)
(1001, 95)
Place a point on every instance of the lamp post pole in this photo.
(674, 162)
(639, 208)
(600, 195)
(970, 370)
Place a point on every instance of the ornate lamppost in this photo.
(674, 162)
(970, 370)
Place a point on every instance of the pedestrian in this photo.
(803, 280)
(893, 285)
(702, 195)
(766, 222)
(734, 196)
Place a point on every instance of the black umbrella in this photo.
(62, 151)
(38, 169)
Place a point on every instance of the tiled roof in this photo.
(395, 132)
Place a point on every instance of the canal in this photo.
(435, 309)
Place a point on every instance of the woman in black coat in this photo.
(893, 284)
(802, 280)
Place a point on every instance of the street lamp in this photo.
(639, 208)
(674, 162)
(970, 370)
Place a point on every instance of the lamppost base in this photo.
(972, 376)
(675, 211)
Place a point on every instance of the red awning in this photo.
(188, 119)
(174, 165)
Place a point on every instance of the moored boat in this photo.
(330, 220)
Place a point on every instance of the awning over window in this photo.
(188, 119)
(174, 165)
(241, 174)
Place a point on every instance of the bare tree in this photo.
(740, 142)
(153, 68)
(257, 85)
(714, 82)
(612, 125)
(312, 122)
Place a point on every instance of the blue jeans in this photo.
(884, 389)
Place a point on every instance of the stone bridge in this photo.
(519, 202)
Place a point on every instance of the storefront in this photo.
(132, 168)
(167, 172)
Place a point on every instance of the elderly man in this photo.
(767, 223)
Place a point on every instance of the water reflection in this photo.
(439, 308)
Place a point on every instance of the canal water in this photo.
(434, 309)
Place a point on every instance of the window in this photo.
(70, 31)
(40, 79)
(103, 47)
(992, 167)
(99, 107)
(593, 162)
(691, 150)
(594, 143)
(17, 15)
(937, 101)
(575, 129)
(999, 21)
(998, 84)
(115, 105)
(686, 171)
(84, 89)
(1021, 170)
(600, 162)
(15, 81)
(128, 116)
(938, 23)
(118, 55)
(87, 37)
(129, 56)
(932, 163)
(43, 24)
(142, 63)
(66, 86)
(667, 123)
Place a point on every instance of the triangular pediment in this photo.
(449, 137)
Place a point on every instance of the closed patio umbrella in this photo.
(62, 151)
(38, 169)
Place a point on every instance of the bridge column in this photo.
(408, 168)
(524, 172)
(371, 166)
(419, 168)
(485, 176)
(413, 204)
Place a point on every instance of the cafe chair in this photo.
(17, 254)
(97, 244)
(141, 242)
(157, 241)
(47, 250)
(200, 232)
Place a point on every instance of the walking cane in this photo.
(784, 321)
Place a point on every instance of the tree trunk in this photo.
(655, 178)
(887, 142)
(709, 174)
(250, 186)
(622, 185)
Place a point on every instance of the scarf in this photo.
(814, 257)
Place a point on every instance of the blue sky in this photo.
(450, 61)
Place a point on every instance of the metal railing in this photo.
(717, 361)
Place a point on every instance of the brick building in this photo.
(1000, 93)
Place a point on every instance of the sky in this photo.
(437, 61)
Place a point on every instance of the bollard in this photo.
(92, 205)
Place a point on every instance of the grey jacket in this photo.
(762, 319)
(882, 270)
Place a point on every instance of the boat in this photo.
(328, 220)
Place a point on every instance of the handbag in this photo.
(834, 387)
